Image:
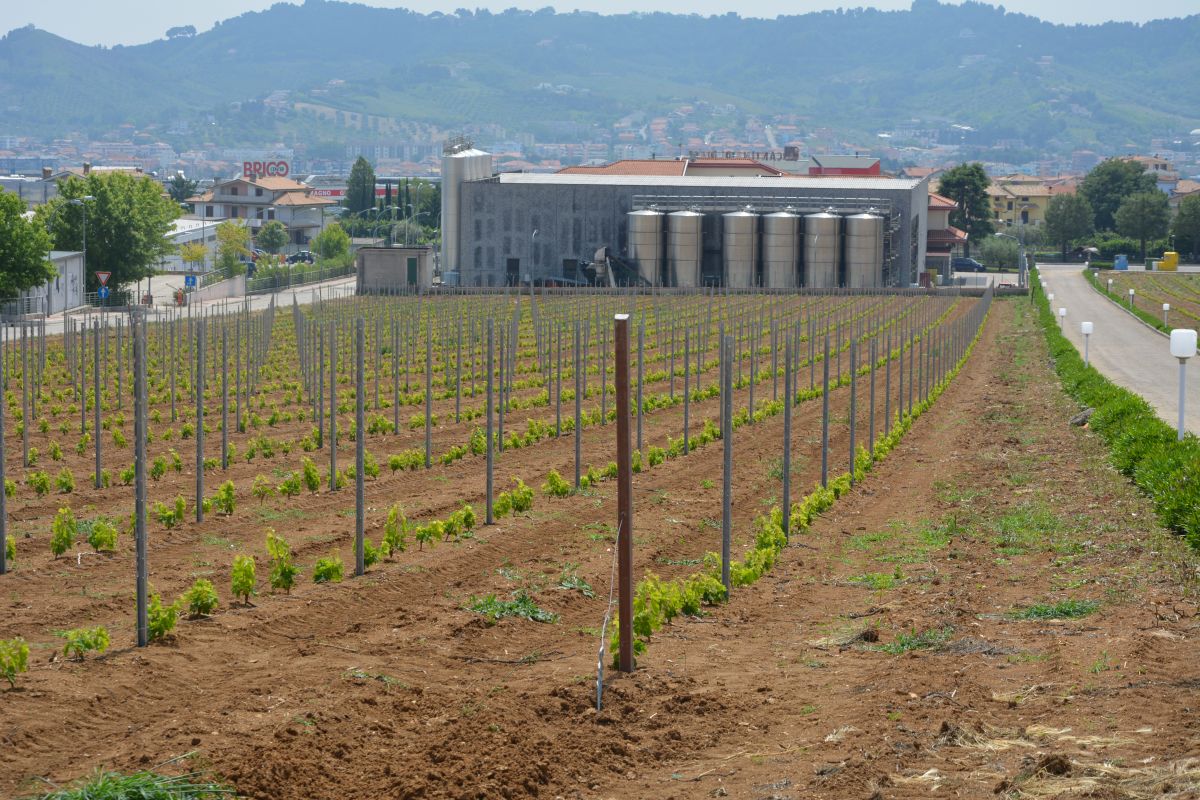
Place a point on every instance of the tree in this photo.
(1107, 186)
(332, 244)
(1186, 226)
(193, 253)
(233, 244)
(360, 187)
(180, 187)
(1068, 217)
(967, 185)
(272, 237)
(1143, 216)
(24, 246)
(128, 220)
(999, 252)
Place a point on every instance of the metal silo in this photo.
(685, 247)
(781, 249)
(646, 243)
(461, 162)
(740, 248)
(864, 251)
(822, 249)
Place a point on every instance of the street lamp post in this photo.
(1183, 347)
(82, 203)
(1086, 329)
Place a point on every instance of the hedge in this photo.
(1143, 447)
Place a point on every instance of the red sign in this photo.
(103, 277)
(273, 169)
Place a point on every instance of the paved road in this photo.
(1126, 351)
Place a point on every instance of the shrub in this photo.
(40, 483)
(395, 532)
(224, 499)
(158, 468)
(118, 438)
(14, 659)
(55, 451)
(555, 486)
(103, 535)
(10, 549)
(371, 553)
(291, 485)
(312, 478)
(522, 497)
(84, 640)
(242, 579)
(65, 481)
(128, 475)
(201, 599)
(429, 534)
(283, 570)
(262, 488)
(160, 619)
(328, 570)
(62, 532)
(10, 488)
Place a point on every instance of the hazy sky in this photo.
(134, 21)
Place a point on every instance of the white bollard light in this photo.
(1086, 329)
(1183, 347)
(1110, 285)
(1062, 318)
(1131, 298)
(1166, 310)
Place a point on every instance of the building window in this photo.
(258, 212)
(1010, 205)
(258, 191)
(208, 211)
(233, 191)
(270, 213)
(233, 212)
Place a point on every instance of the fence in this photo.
(286, 277)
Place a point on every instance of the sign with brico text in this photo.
(266, 169)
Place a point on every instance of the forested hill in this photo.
(1009, 76)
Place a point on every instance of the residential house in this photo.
(943, 241)
(260, 199)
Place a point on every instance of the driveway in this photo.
(1125, 350)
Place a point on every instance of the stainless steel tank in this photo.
(822, 250)
(740, 248)
(459, 165)
(646, 243)
(864, 251)
(685, 247)
(781, 249)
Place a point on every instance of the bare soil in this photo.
(387, 686)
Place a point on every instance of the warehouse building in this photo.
(685, 223)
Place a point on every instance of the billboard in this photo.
(264, 169)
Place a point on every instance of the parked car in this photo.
(305, 256)
(968, 265)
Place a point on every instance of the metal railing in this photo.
(294, 275)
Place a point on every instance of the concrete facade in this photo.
(62, 292)
(383, 270)
(535, 226)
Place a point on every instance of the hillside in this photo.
(861, 71)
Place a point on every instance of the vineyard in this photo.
(1180, 291)
(413, 500)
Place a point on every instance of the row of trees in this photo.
(415, 209)
(127, 220)
(1117, 197)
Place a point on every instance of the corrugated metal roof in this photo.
(824, 183)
